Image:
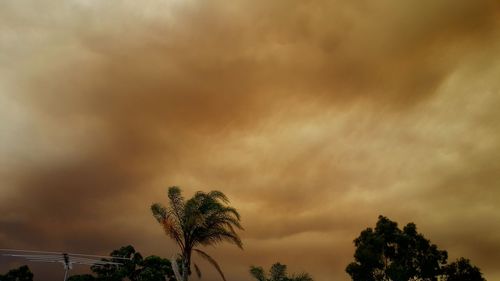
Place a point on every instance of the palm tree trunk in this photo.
(186, 263)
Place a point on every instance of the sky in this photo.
(313, 117)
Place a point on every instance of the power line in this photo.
(67, 259)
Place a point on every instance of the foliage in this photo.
(389, 253)
(137, 268)
(82, 277)
(462, 270)
(22, 273)
(277, 272)
(127, 269)
(203, 220)
(155, 268)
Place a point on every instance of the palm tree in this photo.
(277, 272)
(205, 219)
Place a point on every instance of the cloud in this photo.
(314, 117)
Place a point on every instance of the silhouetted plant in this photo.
(137, 268)
(22, 273)
(82, 277)
(389, 253)
(277, 272)
(205, 219)
(462, 270)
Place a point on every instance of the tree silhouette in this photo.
(205, 219)
(22, 273)
(126, 269)
(82, 277)
(277, 272)
(462, 270)
(389, 253)
(151, 268)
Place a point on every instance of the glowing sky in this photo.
(314, 117)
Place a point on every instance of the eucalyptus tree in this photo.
(203, 220)
(390, 253)
(462, 270)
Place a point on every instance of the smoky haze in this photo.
(314, 117)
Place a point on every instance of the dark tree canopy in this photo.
(83, 277)
(277, 272)
(22, 273)
(151, 268)
(462, 270)
(389, 253)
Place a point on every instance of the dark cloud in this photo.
(320, 115)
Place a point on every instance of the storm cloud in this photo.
(314, 117)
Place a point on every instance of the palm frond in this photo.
(277, 272)
(172, 230)
(301, 277)
(197, 269)
(159, 212)
(231, 210)
(215, 194)
(222, 213)
(258, 273)
(211, 261)
(218, 235)
(164, 217)
(176, 203)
